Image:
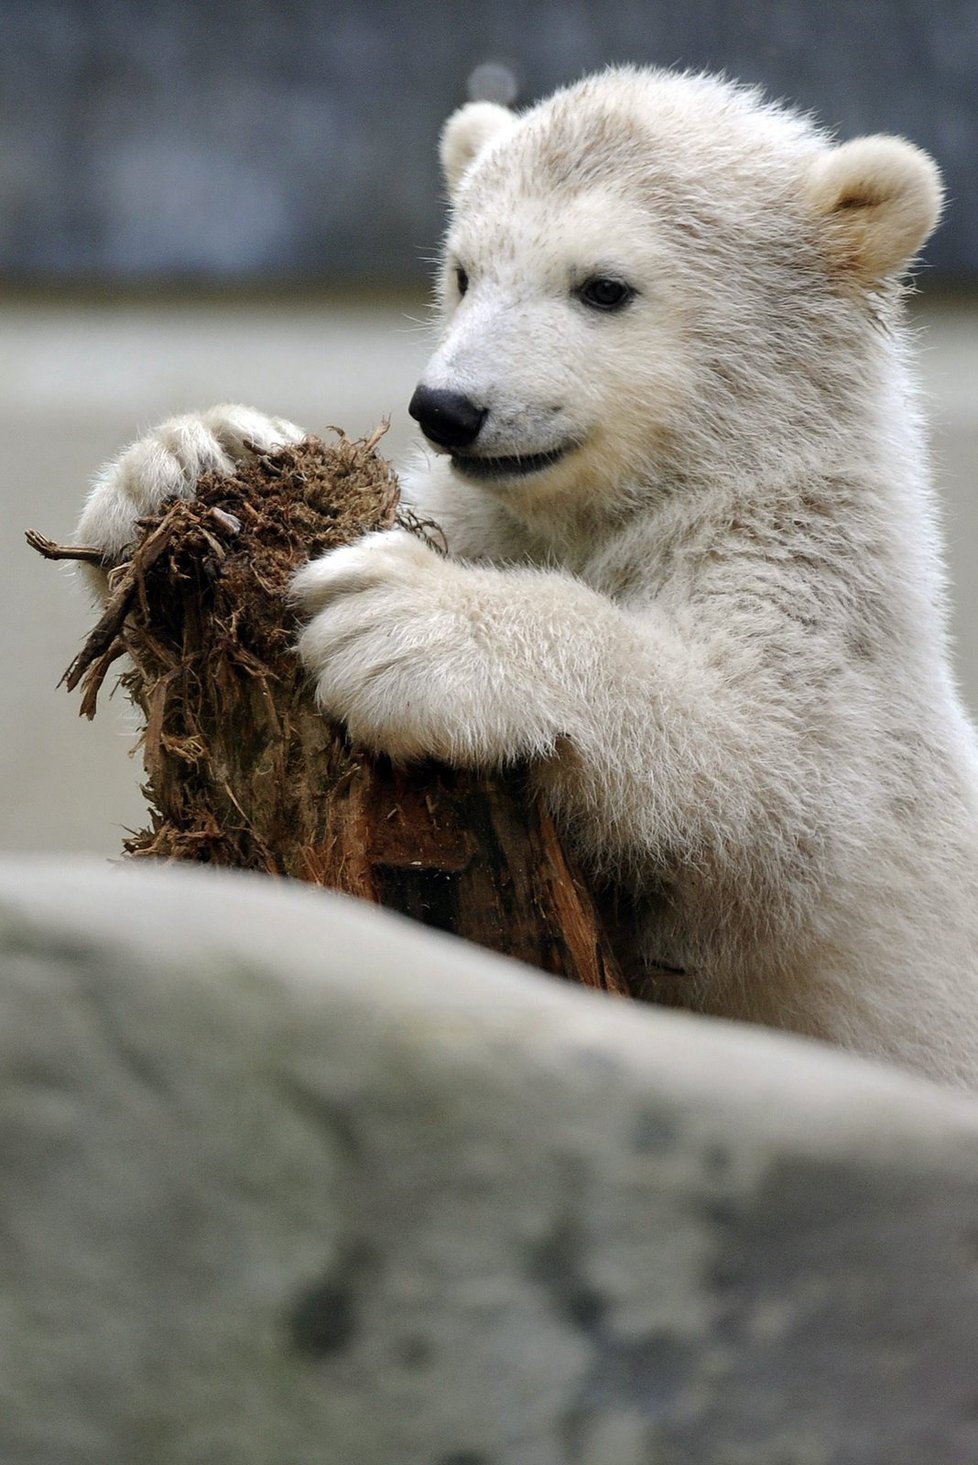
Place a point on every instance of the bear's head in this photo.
(654, 278)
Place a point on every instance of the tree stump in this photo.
(244, 771)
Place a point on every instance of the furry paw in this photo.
(167, 463)
(388, 643)
(423, 656)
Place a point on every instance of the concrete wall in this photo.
(221, 138)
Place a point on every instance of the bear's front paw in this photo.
(390, 645)
(167, 463)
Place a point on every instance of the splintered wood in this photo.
(241, 768)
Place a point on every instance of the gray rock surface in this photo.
(288, 1181)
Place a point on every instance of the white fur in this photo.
(716, 626)
(467, 133)
(880, 198)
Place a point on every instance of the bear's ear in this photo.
(877, 199)
(466, 133)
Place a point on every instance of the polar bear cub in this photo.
(694, 578)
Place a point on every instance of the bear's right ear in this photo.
(466, 133)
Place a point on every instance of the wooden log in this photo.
(243, 770)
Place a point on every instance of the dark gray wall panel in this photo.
(221, 139)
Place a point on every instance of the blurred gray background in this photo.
(216, 139)
(203, 200)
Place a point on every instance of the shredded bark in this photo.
(242, 770)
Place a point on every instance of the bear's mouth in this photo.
(482, 466)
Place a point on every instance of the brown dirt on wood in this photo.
(243, 770)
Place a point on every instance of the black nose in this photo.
(447, 418)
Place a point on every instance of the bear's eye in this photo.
(461, 280)
(604, 293)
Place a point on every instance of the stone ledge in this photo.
(289, 1181)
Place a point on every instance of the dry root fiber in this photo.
(243, 771)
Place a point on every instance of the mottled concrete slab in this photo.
(288, 1181)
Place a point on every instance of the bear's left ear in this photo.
(466, 133)
(877, 199)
